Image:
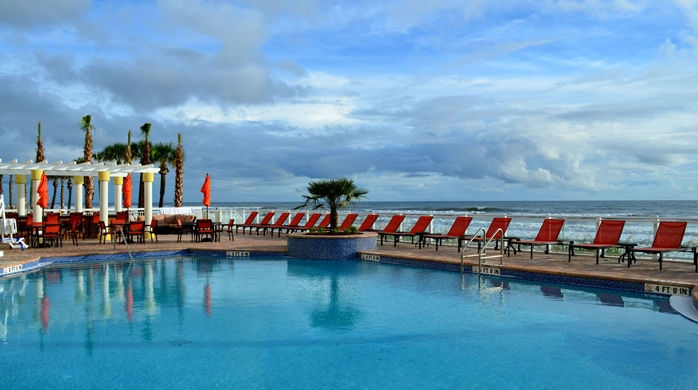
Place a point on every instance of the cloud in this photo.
(40, 13)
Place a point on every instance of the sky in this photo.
(414, 100)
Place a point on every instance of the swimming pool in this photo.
(289, 323)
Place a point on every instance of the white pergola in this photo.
(102, 170)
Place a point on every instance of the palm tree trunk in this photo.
(11, 192)
(141, 201)
(70, 191)
(55, 190)
(62, 193)
(333, 219)
(162, 189)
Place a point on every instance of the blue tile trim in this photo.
(634, 287)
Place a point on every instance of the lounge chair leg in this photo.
(570, 251)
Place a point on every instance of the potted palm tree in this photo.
(331, 194)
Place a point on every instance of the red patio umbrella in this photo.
(42, 190)
(206, 190)
(126, 191)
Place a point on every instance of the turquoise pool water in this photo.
(287, 323)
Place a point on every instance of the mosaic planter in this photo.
(311, 246)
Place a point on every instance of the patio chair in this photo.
(104, 231)
(248, 221)
(136, 229)
(348, 221)
(74, 229)
(391, 227)
(420, 227)
(151, 231)
(312, 220)
(547, 235)
(668, 239)
(367, 224)
(607, 236)
(456, 232)
(265, 221)
(295, 221)
(497, 230)
(231, 225)
(52, 234)
(53, 218)
(279, 222)
(204, 229)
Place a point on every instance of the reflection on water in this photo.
(132, 295)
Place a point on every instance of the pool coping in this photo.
(629, 284)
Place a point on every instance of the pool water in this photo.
(196, 322)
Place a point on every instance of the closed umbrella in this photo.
(42, 191)
(126, 191)
(206, 190)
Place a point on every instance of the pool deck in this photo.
(644, 271)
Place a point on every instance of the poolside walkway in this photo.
(644, 271)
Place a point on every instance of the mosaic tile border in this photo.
(633, 287)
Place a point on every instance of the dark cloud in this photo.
(39, 13)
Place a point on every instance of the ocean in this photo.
(580, 216)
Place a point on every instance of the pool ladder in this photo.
(123, 237)
(482, 253)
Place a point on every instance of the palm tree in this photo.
(113, 152)
(179, 172)
(127, 153)
(332, 194)
(86, 126)
(39, 145)
(164, 154)
(145, 159)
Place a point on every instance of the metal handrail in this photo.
(483, 251)
(123, 237)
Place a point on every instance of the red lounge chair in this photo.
(547, 235)
(607, 236)
(308, 224)
(293, 224)
(348, 221)
(392, 226)
(458, 229)
(249, 221)
(420, 227)
(498, 228)
(325, 222)
(668, 239)
(279, 222)
(265, 221)
(367, 224)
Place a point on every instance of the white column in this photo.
(148, 179)
(118, 196)
(38, 211)
(78, 182)
(21, 185)
(103, 177)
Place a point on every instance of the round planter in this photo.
(312, 246)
